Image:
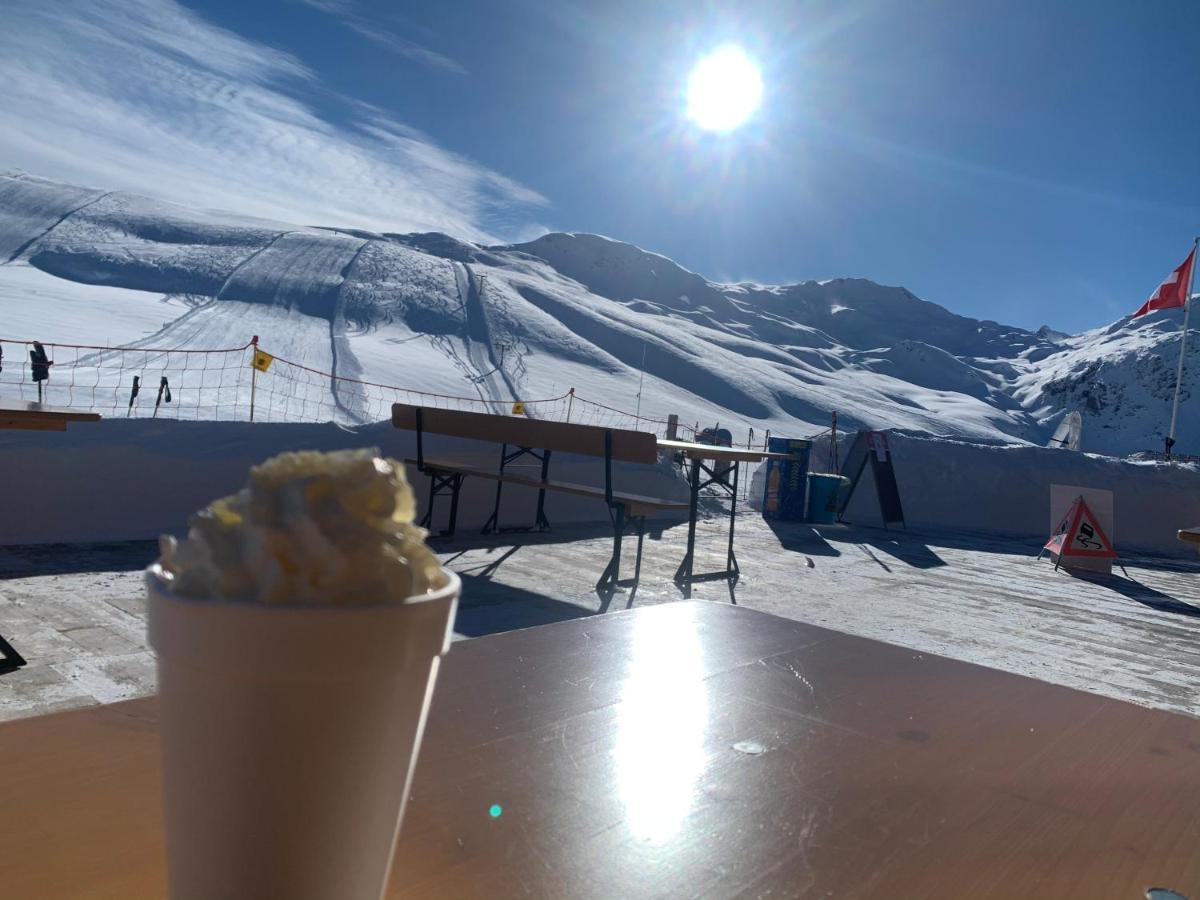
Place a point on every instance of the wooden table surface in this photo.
(713, 451)
(1191, 535)
(691, 750)
(30, 415)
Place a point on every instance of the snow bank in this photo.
(136, 479)
(953, 486)
(131, 479)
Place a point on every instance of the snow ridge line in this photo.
(33, 240)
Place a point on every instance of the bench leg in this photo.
(427, 519)
(439, 484)
(493, 522)
(607, 585)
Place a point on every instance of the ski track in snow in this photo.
(343, 363)
(33, 240)
(238, 268)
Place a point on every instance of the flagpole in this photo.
(1187, 311)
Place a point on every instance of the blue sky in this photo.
(1030, 162)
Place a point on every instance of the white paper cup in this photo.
(289, 738)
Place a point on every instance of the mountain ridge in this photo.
(572, 309)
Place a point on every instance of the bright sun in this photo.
(724, 89)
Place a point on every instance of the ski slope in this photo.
(432, 313)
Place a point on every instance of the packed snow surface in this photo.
(433, 313)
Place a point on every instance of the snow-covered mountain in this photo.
(430, 312)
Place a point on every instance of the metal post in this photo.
(541, 523)
(253, 373)
(641, 381)
(456, 486)
(493, 524)
(420, 422)
(637, 566)
(608, 491)
(1187, 309)
(618, 533)
(683, 575)
(833, 446)
(731, 566)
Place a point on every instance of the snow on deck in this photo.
(76, 611)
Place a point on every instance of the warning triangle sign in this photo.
(1079, 534)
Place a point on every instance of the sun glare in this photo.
(724, 89)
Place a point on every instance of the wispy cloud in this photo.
(404, 47)
(146, 95)
(334, 7)
(368, 26)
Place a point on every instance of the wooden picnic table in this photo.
(538, 439)
(686, 750)
(1190, 535)
(711, 464)
(718, 453)
(31, 416)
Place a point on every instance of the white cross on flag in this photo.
(1172, 292)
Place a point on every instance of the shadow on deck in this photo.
(33, 560)
(1138, 592)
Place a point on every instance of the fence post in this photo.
(673, 427)
(570, 402)
(253, 374)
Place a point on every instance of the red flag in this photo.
(1172, 292)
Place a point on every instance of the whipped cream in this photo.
(309, 528)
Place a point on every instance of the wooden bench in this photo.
(537, 439)
(31, 416)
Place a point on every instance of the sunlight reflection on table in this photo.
(661, 724)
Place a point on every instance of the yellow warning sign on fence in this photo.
(518, 408)
(262, 360)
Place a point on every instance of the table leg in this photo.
(618, 533)
(637, 566)
(457, 486)
(731, 565)
(493, 523)
(683, 575)
(540, 522)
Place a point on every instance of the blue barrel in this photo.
(822, 497)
